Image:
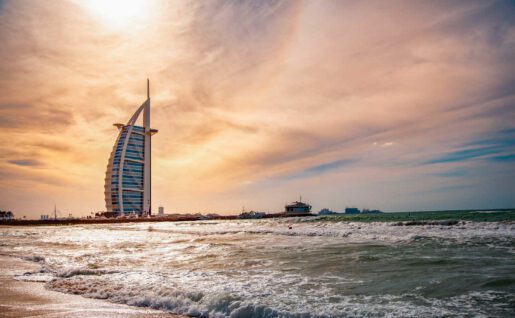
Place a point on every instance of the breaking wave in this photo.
(198, 304)
(279, 268)
(34, 258)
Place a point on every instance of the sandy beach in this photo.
(31, 299)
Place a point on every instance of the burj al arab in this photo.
(128, 175)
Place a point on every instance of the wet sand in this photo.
(31, 299)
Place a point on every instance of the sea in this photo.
(290, 267)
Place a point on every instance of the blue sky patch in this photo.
(500, 144)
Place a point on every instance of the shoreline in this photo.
(29, 299)
(141, 220)
(412, 218)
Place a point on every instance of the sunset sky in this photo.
(394, 105)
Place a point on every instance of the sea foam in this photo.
(279, 268)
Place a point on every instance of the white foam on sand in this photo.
(198, 304)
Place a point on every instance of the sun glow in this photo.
(118, 13)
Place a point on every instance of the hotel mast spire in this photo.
(147, 196)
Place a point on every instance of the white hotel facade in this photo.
(128, 177)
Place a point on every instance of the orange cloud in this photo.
(257, 103)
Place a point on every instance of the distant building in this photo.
(298, 207)
(6, 216)
(252, 215)
(352, 211)
(107, 214)
(161, 211)
(326, 212)
(45, 217)
(367, 211)
(211, 216)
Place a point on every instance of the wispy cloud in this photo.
(319, 169)
(25, 162)
(498, 144)
(248, 95)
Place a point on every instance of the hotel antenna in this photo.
(55, 211)
(148, 88)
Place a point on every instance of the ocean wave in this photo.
(34, 277)
(438, 222)
(66, 273)
(226, 305)
(194, 304)
(382, 231)
(281, 268)
(34, 258)
(51, 270)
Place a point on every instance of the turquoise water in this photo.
(262, 268)
(507, 215)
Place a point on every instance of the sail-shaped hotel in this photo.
(128, 176)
